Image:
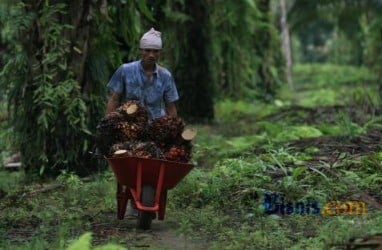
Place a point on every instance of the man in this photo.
(144, 80)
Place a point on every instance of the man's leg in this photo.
(131, 211)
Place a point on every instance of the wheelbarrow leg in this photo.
(162, 206)
(122, 198)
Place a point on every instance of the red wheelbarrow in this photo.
(145, 182)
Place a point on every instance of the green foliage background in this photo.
(58, 58)
(60, 54)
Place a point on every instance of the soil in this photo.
(163, 234)
(106, 228)
(367, 143)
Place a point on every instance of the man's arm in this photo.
(113, 103)
(171, 109)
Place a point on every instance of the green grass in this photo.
(54, 217)
(327, 84)
(320, 75)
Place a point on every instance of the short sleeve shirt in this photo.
(130, 81)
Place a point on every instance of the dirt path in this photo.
(106, 228)
(163, 235)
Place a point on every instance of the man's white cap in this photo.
(151, 40)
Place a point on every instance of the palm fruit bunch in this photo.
(127, 132)
(127, 123)
(147, 150)
(138, 149)
(177, 153)
(109, 132)
(127, 145)
(180, 151)
(165, 129)
(133, 112)
(135, 117)
(131, 131)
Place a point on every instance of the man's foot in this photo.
(131, 212)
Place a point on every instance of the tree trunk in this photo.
(192, 74)
(267, 47)
(286, 48)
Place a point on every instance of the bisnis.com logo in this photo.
(275, 203)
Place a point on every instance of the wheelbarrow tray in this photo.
(126, 170)
(133, 173)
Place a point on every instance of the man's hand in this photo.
(171, 109)
(113, 103)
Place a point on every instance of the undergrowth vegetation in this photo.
(314, 145)
(252, 151)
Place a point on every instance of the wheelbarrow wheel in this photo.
(147, 198)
